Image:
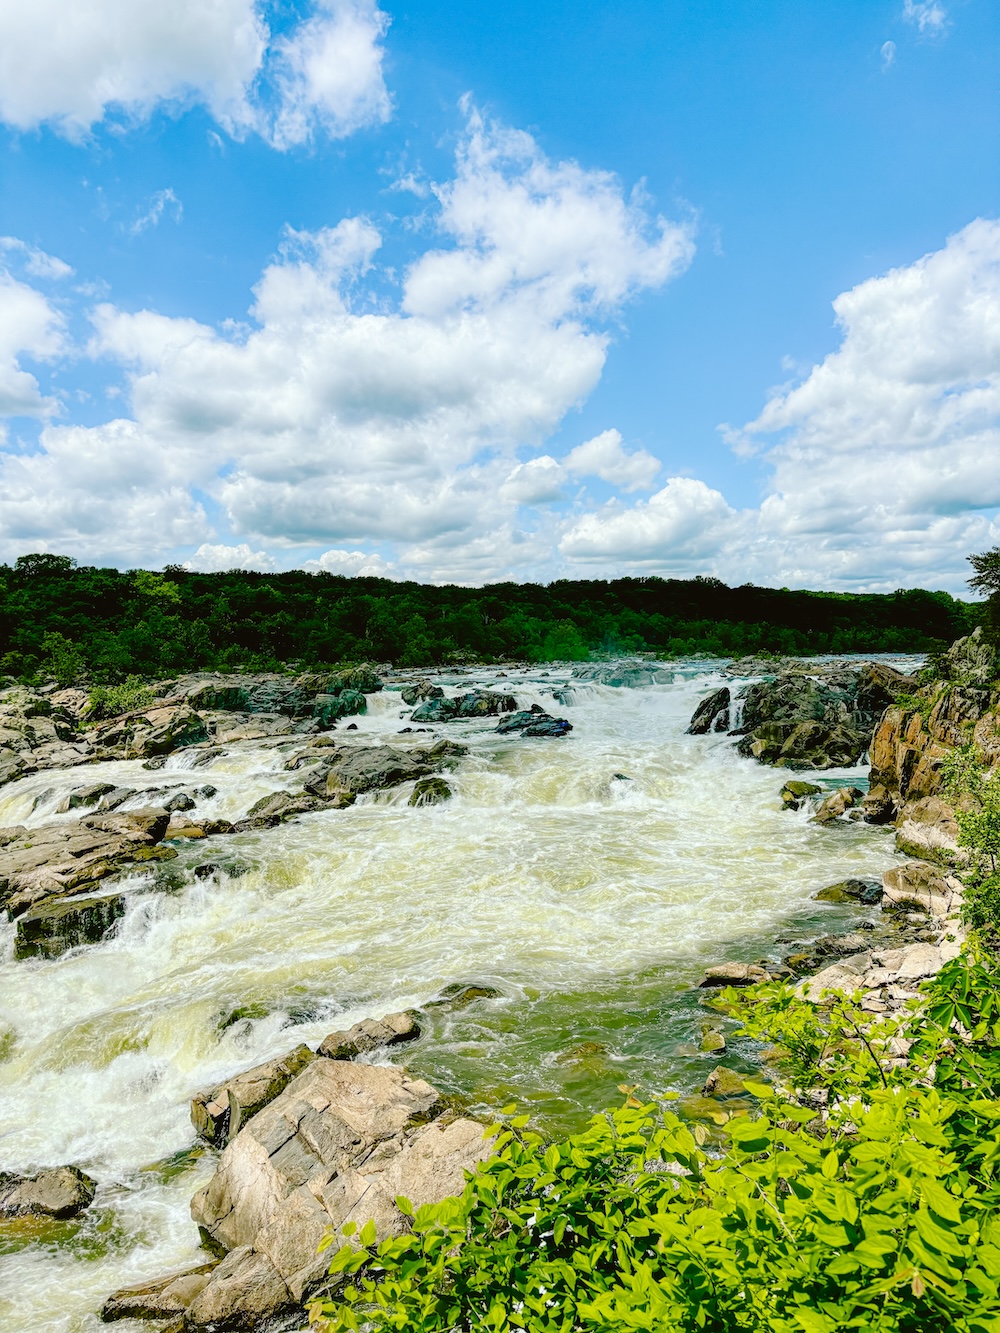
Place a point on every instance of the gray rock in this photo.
(245, 1291)
(794, 792)
(534, 722)
(712, 714)
(458, 995)
(733, 974)
(371, 1034)
(851, 890)
(837, 803)
(436, 710)
(218, 1113)
(84, 797)
(423, 689)
(182, 801)
(278, 806)
(623, 675)
(330, 708)
(62, 1192)
(430, 791)
(163, 1298)
(813, 745)
(51, 928)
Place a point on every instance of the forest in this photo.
(68, 621)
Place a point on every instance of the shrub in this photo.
(878, 1214)
(112, 700)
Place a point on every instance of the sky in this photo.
(474, 292)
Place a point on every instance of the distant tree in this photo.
(987, 580)
(42, 563)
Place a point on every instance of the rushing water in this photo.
(589, 880)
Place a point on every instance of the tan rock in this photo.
(734, 974)
(920, 884)
(62, 1192)
(218, 1114)
(723, 1082)
(369, 1035)
(160, 1299)
(245, 1288)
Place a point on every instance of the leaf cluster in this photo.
(879, 1214)
(112, 700)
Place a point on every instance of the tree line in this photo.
(66, 620)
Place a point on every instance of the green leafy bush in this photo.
(867, 1200)
(974, 790)
(112, 700)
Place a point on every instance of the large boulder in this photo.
(712, 714)
(437, 709)
(623, 675)
(371, 1034)
(330, 708)
(971, 661)
(485, 703)
(423, 689)
(62, 1192)
(430, 791)
(59, 859)
(918, 884)
(813, 745)
(355, 769)
(263, 693)
(164, 1298)
(534, 722)
(339, 1144)
(50, 929)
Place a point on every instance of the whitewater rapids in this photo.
(589, 880)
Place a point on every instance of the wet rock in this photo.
(182, 801)
(430, 791)
(363, 678)
(458, 995)
(794, 792)
(84, 797)
(423, 689)
(245, 1291)
(484, 703)
(163, 1298)
(712, 1040)
(152, 734)
(734, 974)
(117, 796)
(845, 977)
(218, 1113)
(50, 929)
(63, 858)
(278, 806)
(371, 1034)
(355, 769)
(712, 714)
(837, 804)
(803, 745)
(62, 1192)
(436, 710)
(865, 891)
(234, 869)
(928, 828)
(330, 708)
(723, 1082)
(358, 1134)
(534, 722)
(623, 675)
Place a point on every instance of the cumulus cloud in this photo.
(29, 326)
(884, 461)
(351, 564)
(216, 559)
(535, 482)
(604, 456)
(70, 65)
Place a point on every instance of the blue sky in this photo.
(473, 292)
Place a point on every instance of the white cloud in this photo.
(158, 205)
(70, 65)
(536, 482)
(604, 457)
(885, 459)
(29, 326)
(929, 15)
(215, 559)
(34, 262)
(888, 53)
(351, 564)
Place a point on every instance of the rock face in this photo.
(624, 675)
(370, 1034)
(218, 1113)
(61, 1192)
(423, 689)
(69, 858)
(51, 928)
(356, 769)
(477, 703)
(165, 1298)
(803, 745)
(38, 733)
(339, 1144)
(712, 714)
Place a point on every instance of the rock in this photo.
(436, 710)
(115, 797)
(63, 858)
(423, 689)
(795, 697)
(712, 714)
(363, 678)
(837, 804)
(534, 722)
(355, 769)
(84, 797)
(430, 791)
(794, 792)
(259, 693)
(50, 929)
(971, 661)
(330, 708)
(457, 996)
(928, 828)
(844, 977)
(919, 884)
(371, 1034)
(163, 1298)
(910, 964)
(62, 1192)
(168, 729)
(339, 1144)
(484, 703)
(734, 974)
(218, 1114)
(623, 675)
(278, 806)
(712, 1040)
(803, 745)
(723, 1082)
(182, 801)
(850, 890)
(878, 687)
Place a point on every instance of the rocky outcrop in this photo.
(62, 1192)
(712, 714)
(353, 769)
(534, 722)
(837, 804)
(813, 745)
(430, 791)
(371, 1034)
(477, 703)
(52, 928)
(62, 859)
(623, 675)
(279, 806)
(340, 1144)
(218, 1113)
(422, 690)
(37, 733)
(794, 792)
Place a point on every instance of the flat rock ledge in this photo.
(338, 1144)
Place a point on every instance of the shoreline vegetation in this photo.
(60, 620)
(849, 1181)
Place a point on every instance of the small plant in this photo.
(113, 700)
(974, 790)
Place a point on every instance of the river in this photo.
(588, 880)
